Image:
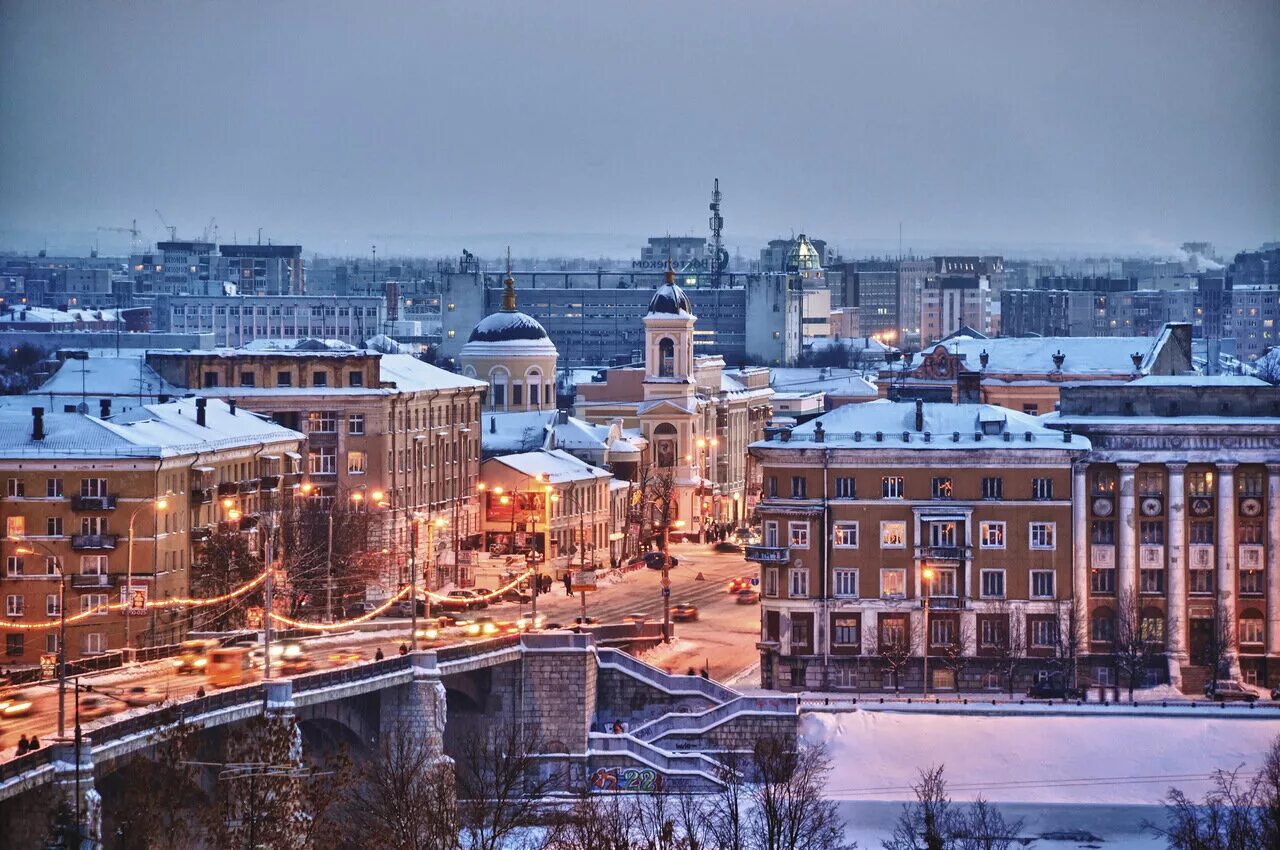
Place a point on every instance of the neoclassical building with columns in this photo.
(1177, 505)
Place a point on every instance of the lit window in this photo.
(893, 583)
(991, 535)
(1043, 535)
(846, 535)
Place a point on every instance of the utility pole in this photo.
(328, 566)
(266, 614)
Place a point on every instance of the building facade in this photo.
(237, 320)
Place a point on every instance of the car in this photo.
(294, 659)
(1224, 690)
(747, 597)
(685, 612)
(635, 618)
(403, 609)
(138, 695)
(345, 656)
(530, 623)
(727, 546)
(462, 600)
(1053, 689)
(92, 705)
(193, 655)
(738, 584)
(586, 621)
(653, 560)
(15, 704)
(514, 594)
(485, 595)
(359, 609)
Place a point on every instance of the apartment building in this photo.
(100, 511)
(374, 422)
(236, 320)
(871, 509)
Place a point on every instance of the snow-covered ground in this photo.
(1103, 775)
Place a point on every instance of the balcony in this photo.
(199, 535)
(202, 497)
(270, 482)
(83, 581)
(94, 542)
(228, 488)
(249, 485)
(768, 554)
(943, 553)
(944, 603)
(93, 503)
(291, 479)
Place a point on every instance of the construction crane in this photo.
(173, 231)
(211, 229)
(133, 232)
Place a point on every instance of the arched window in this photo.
(498, 378)
(665, 448)
(666, 357)
(533, 377)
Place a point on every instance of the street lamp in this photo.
(62, 628)
(432, 527)
(666, 578)
(160, 503)
(704, 456)
(927, 575)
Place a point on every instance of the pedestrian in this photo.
(378, 656)
(34, 744)
(546, 584)
(200, 692)
(404, 649)
(568, 585)
(705, 673)
(23, 746)
(617, 727)
(691, 672)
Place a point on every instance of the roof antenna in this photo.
(509, 293)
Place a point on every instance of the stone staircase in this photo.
(1194, 679)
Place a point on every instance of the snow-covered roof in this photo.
(107, 376)
(855, 426)
(1085, 355)
(306, 345)
(670, 300)
(518, 431)
(386, 345)
(150, 431)
(407, 372)
(22, 313)
(559, 466)
(1198, 381)
(841, 382)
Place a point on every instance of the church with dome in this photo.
(696, 415)
(511, 351)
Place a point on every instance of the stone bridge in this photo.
(568, 691)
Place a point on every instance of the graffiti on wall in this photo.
(642, 779)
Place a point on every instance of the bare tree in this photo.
(261, 800)
(1010, 647)
(728, 816)
(304, 547)
(157, 796)
(596, 822)
(982, 827)
(499, 784)
(403, 798)
(933, 823)
(1066, 648)
(224, 561)
(693, 815)
(789, 810)
(660, 499)
(1220, 643)
(955, 655)
(1138, 641)
(895, 656)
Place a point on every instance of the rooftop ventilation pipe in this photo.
(104, 408)
(37, 423)
(231, 406)
(819, 433)
(200, 411)
(919, 414)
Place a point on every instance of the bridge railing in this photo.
(666, 681)
(659, 758)
(15, 767)
(692, 723)
(175, 712)
(355, 673)
(461, 652)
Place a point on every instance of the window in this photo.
(93, 525)
(845, 536)
(284, 379)
(16, 527)
(500, 398)
(1043, 535)
(991, 535)
(1042, 489)
(893, 535)
(357, 463)
(1043, 633)
(993, 488)
(52, 605)
(846, 489)
(355, 379)
(1102, 675)
(993, 584)
(771, 581)
(1104, 482)
(891, 487)
(323, 460)
(1150, 482)
(355, 424)
(1151, 581)
(801, 634)
(17, 488)
(93, 565)
(991, 632)
(53, 526)
(846, 582)
(1151, 532)
(95, 643)
(322, 422)
(799, 587)
(942, 534)
(1251, 630)
(210, 379)
(1200, 482)
(53, 488)
(942, 488)
(320, 379)
(14, 605)
(53, 565)
(1251, 582)
(798, 533)
(666, 358)
(942, 632)
(1101, 627)
(798, 487)
(1250, 482)
(771, 533)
(14, 644)
(943, 583)
(1249, 533)
(1201, 532)
(893, 631)
(517, 394)
(1102, 532)
(1042, 584)
(96, 602)
(50, 643)
(844, 630)
(771, 486)
(14, 566)
(1151, 627)
(1201, 581)
(893, 583)
(248, 379)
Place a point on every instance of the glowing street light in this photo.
(927, 575)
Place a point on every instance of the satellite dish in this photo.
(82, 408)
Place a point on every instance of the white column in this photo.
(1080, 550)
(1127, 556)
(1176, 576)
(1226, 578)
(1273, 559)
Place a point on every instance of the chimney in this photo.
(562, 417)
(231, 406)
(984, 358)
(37, 423)
(163, 398)
(1066, 435)
(200, 414)
(819, 433)
(493, 424)
(104, 408)
(919, 414)
(1058, 359)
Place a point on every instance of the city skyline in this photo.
(974, 127)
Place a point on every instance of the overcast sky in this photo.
(582, 128)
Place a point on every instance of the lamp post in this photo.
(62, 627)
(434, 525)
(160, 503)
(666, 578)
(927, 575)
(705, 447)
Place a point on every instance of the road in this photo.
(723, 637)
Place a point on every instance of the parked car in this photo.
(359, 609)
(517, 594)
(653, 560)
(485, 595)
(1053, 689)
(738, 584)
(463, 600)
(727, 546)
(684, 612)
(1223, 690)
(748, 597)
(403, 609)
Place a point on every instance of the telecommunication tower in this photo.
(719, 256)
